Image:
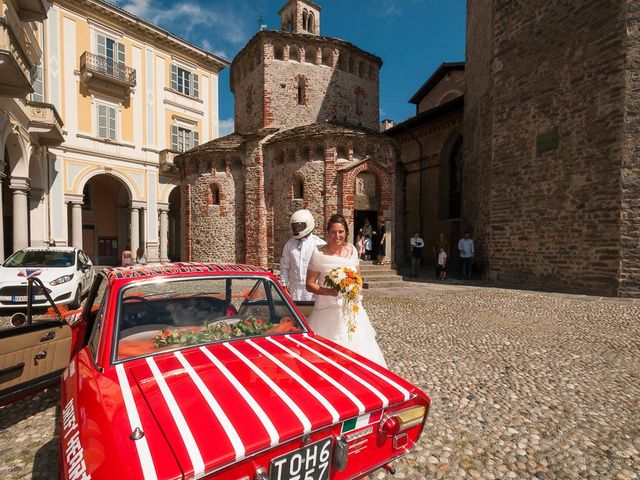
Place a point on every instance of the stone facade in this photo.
(430, 146)
(306, 119)
(552, 164)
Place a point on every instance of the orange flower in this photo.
(356, 308)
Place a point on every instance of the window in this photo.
(107, 122)
(455, 179)
(184, 81)
(37, 84)
(302, 92)
(215, 194)
(298, 188)
(310, 22)
(183, 139)
(113, 52)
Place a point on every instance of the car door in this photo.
(32, 357)
(87, 270)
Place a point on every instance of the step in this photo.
(383, 284)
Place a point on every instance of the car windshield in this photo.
(40, 258)
(159, 316)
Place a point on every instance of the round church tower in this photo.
(295, 77)
(306, 136)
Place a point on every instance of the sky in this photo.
(413, 37)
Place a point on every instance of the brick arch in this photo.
(212, 186)
(383, 178)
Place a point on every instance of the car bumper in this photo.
(60, 294)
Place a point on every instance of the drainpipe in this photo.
(421, 158)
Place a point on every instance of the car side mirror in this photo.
(85, 267)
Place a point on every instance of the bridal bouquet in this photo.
(348, 284)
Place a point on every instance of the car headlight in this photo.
(60, 280)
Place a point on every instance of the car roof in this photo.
(49, 249)
(179, 269)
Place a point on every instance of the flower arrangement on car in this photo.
(348, 284)
(211, 331)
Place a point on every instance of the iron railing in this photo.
(108, 67)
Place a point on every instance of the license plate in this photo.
(19, 298)
(311, 462)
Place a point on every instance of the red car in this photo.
(183, 371)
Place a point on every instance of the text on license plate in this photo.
(311, 462)
(21, 298)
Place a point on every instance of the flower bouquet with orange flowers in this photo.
(348, 284)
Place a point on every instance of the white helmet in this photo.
(302, 223)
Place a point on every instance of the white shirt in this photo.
(465, 246)
(417, 242)
(294, 263)
(442, 258)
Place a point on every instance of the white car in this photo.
(66, 272)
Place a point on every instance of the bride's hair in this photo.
(337, 218)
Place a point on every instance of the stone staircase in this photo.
(379, 276)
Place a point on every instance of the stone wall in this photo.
(630, 218)
(340, 82)
(448, 88)
(215, 236)
(543, 129)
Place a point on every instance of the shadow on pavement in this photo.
(27, 407)
(45, 461)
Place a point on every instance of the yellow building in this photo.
(130, 95)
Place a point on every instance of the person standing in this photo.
(327, 318)
(466, 249)
(442, 264)
(141, 257)
(382, 246)
(441, 243)
(296, 255)
(126, 259)
(417, 244)
(360, 244)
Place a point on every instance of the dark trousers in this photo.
(465, 267)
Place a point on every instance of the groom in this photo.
(296, 255)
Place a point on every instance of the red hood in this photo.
(224, 402)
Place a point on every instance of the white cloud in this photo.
(193, 21)
(226, 126)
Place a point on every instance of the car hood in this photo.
(19, 275)
(252, 394)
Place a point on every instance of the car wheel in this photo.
(77, 299)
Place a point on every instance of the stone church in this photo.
(306, 136)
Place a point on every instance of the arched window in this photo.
(294, 53)
(304, 18)
(302, 94)
(298, 188)
(310, 54)
(221, 165)
(215, 194)
(310, 22)
(327, 57)
(278, 52)
(455, 179)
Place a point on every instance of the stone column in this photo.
(143, 230)
(20, 191)
(164, 230)
(135, 229)
(1, 215)
(76, 224)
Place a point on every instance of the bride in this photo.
(327, 318)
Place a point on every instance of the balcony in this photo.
(32, 10)
(45, 124)
(15, 77)
(166, 161)
(101, 73)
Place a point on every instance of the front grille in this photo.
(20, 290)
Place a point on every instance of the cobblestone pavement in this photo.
(524, 385)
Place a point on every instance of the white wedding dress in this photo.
(327, 318)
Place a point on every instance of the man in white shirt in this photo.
(465, 247)
(296, 255)
(417, 244)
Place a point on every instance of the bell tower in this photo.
(300, 16)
